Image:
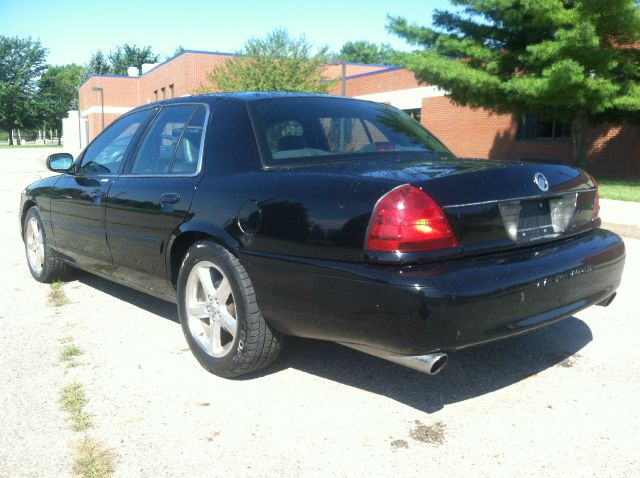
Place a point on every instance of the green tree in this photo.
(275, 63)
(179, 49)
(22, 60)
(363, 51)
(572, 58)
(130, 55)
(58, 93)
(98, 64)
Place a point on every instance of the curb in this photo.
(624, 230)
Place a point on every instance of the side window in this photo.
(185, 160)
(105, 154)
(172, 143)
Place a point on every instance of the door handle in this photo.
(169, 198)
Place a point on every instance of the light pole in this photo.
(343, 75)
(101, 90)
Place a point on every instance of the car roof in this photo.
(243, 96)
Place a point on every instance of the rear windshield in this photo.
(309, 130)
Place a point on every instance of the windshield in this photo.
(308, 130)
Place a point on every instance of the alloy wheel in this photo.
(211, 309)
(35, 245)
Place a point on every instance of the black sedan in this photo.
(264, 215)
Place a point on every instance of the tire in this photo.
(219, 314)
(44, 264)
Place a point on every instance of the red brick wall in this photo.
(171, 73)
(480, 133)
(393, 80)
(197, 69)
(615, 151)
(334, 72)
(95, 122)
(118, 91)
(186, 73)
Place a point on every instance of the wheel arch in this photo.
(186, 236)
(28, 204)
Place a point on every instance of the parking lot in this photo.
(561, 401)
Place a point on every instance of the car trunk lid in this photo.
(514, 205)
(490, 205)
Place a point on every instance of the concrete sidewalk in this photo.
(621, 217)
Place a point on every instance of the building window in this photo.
(531, 127)
(415, 113)
(171, 91)
(164, 94)
(155, 93)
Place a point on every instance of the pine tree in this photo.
(98, 64)
(363, 51)
(575, 59)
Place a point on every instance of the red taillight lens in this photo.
(409, 220)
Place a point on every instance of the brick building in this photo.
(479, 133)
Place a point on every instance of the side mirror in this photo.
(60, 162)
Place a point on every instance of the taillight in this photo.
(596, 201)
(407, 219)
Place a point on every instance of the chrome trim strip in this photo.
(523, 198)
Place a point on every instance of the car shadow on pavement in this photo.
(151, 304)
(469, 373)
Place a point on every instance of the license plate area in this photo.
(530, 220)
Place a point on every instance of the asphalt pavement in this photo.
(561, 401)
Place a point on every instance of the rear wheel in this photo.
(219, 314)
(43, 263)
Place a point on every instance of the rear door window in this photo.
(172, 143)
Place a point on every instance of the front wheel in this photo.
(43, 263)
(219, 314)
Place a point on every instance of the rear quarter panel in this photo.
(291, 214)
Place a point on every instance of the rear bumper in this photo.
(444, 306)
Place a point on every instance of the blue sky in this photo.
(72, 29)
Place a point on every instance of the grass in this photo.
(619, 188)
(92, 459)
(69, 353)
(6, 146)
(73, 400)
(57, 296)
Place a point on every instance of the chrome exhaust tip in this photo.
(607, 301)
(430, 364)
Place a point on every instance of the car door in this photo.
(78, 199)
(153, 196)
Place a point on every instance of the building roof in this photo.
(333, 71)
